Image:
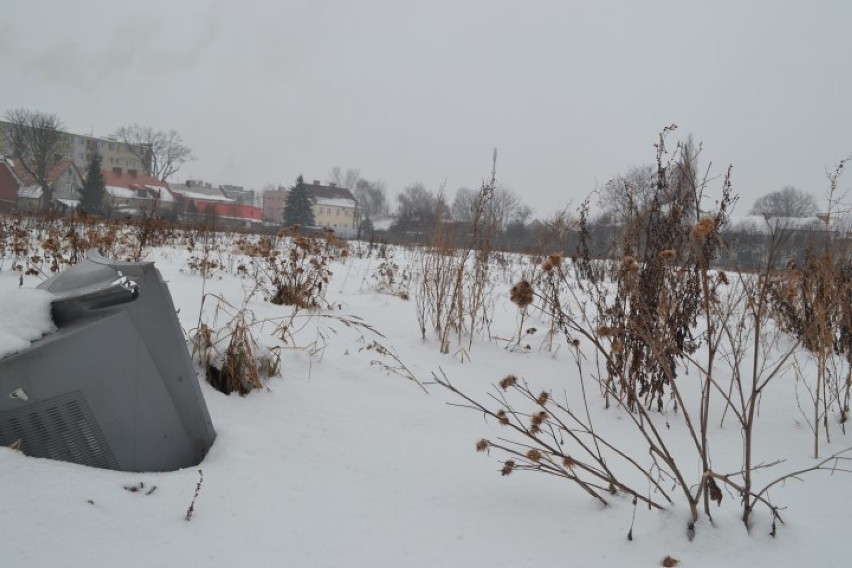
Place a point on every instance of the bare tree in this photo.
(371, 196)
(162, 153)
(504, 206)
(463, 204)
(419, 209)
(787, 202)
(35, 139)
(417, 201)
(625, 196)
(347, 179)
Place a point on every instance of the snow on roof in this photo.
(202, 196)
(26, 317)
(30, 191)
(339, 202)
(246, 219)
(72, 203)
(121, 192)
(165, 194)
(150, 192)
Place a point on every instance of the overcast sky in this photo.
(571, 93)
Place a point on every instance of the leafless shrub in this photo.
(813, 303)
(453, 279)
(632, 328)
(296, 267)
(229, 354)
(391, 363)
(392, 280)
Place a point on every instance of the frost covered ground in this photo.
(338, 463)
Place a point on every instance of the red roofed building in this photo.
(128, 192)
(9, 184)
(63, 178)
(199, 200)
(231, 212)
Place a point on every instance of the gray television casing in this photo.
(114, 386)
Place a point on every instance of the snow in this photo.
(340, 464)
(128, 193)
(30, 191)
(163, 193)
(121, 192)
(24, 317)
(337, 202)
(72, 203)
(383, 223)
(203, 196)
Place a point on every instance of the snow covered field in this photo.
(338, 463)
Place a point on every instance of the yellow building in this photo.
(335, 208)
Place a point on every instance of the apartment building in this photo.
(201, 200)
(78, 148)
(273, 206)
(117, 156)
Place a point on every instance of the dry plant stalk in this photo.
(296, 267)
(452, 280)
(664, 309)
(813, 303)
(239, 371)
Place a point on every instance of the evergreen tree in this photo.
(298, 205)
(366, 228)
(92, 194)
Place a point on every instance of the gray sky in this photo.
(571, 93)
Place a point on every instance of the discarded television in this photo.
(114, 386)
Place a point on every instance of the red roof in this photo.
(135, 182)
(54, 174)
(124, 179)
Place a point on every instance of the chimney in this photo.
(316, 182)
(332, 184)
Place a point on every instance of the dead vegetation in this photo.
(633, 324)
